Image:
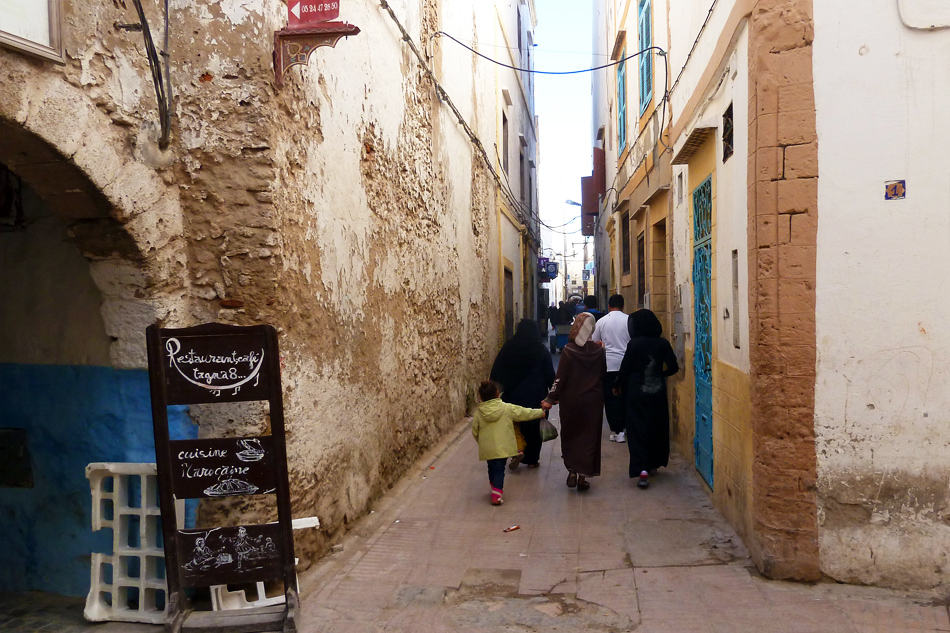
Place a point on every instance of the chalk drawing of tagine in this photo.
(230, 488)
(250, 552)
(253, 451)
(215, 372)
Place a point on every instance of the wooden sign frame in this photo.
(214, 363)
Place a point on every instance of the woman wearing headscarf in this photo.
(525, 372)
(577, 388)
(649, 359)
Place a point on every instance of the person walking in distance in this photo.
(648, 361)
(612, 331)
(493, 429)
(578, 388)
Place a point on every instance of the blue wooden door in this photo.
(702, 311)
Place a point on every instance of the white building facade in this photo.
(806, 232)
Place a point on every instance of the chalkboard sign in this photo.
(206, 364)
(225, 467)
(222, 368)
(218, 555)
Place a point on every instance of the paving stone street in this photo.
(434, 556)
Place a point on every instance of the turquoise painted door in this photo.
(702, 312)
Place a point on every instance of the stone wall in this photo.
(783, 224)
(325, 209)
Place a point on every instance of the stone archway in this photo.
(122, 216)
(77, 408)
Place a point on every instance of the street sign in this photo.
(301, 12)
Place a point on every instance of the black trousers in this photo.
(613, 405)
(531, 431)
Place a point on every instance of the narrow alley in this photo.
(257, 258)
(434, 556)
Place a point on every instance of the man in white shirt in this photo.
(612, 331)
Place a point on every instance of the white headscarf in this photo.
(583, 328)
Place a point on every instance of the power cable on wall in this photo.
(902, 11)
(444, 96)
(160, 77)
(695, 44)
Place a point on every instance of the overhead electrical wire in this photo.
(659, 50)
(663, 102)
(559, 226)
(504, 185)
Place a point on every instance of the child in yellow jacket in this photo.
(493, 427)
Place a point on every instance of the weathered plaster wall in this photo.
(347, 210)
(881, 402)
(55, 383)
(50, 312)
(352, 242)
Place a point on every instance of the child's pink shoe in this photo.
(496, 499)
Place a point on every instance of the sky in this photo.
(563, 104)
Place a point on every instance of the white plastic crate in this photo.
(127, 585)
(224, 598)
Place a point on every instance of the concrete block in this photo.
(128, 584)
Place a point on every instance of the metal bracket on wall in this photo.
(293, 47)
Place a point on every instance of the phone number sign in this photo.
(302, 12)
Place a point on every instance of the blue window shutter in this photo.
(622, 101)
(646, 59)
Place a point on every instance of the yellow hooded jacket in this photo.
(492, 427)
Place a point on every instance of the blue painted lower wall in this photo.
(73, 415)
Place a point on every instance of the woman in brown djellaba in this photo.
(578, 389)
(647, 363)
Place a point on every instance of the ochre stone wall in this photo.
(732, 446)
(782, 250)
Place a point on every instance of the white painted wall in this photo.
(49, 304)
(731, 220)
(882, 299)
(732, 217)
(686, 32)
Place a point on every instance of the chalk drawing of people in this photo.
(202, 557)
(244, 546)
(269, 548)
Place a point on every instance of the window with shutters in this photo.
(644, 15)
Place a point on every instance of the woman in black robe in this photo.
(525, 371)
(648, 360)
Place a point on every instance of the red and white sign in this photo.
(301, 12)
